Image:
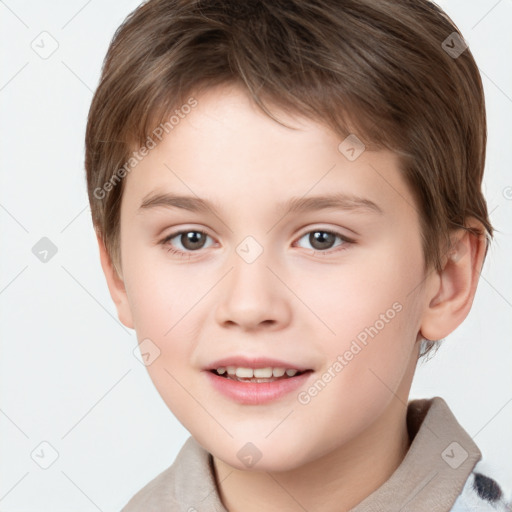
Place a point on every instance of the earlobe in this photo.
(115, 285)
(454, 287)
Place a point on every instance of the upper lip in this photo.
(254, 362)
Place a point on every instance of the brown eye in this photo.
(192, 240)
(186, 241)
(322, 240)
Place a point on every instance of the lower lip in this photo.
(256, 393)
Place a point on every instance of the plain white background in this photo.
(69, 378)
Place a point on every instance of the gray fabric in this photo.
(430, 478)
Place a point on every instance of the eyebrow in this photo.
(338, 201)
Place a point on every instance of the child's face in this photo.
(293, 304)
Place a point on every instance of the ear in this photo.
(452, 290)
(115, 285)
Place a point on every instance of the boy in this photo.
(268, 130)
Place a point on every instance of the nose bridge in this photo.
(250, 279)
(251, 293)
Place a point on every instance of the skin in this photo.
(291, 303)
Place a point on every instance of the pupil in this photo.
(324, 239)
(190, 239)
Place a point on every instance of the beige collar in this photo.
(435, 468)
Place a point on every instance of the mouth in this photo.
(257, 386)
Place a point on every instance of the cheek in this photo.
(163, 302)
(365, 294)
(159, 293)
(366, 366)
(373, 312)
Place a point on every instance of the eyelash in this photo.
(183, 254)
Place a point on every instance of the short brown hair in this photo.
(380, 69)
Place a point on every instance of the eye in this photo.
(193, 240)
(190, 240)
(321, 240)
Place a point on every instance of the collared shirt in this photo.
(439, 473)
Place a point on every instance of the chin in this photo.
(247, 456)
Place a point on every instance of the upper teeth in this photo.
(263, 373)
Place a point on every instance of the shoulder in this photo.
(483, 493)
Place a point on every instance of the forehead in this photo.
(226, 150)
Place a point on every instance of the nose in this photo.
(252, 297)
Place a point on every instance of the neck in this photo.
(337, 481)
